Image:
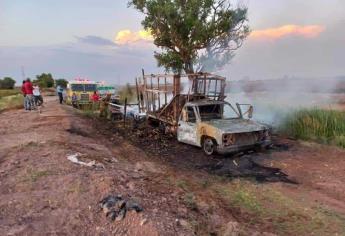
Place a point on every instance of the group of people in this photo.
(98, 102)
(32, 95)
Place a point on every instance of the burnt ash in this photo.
(167, 149)
(77, 131)
(246, 167)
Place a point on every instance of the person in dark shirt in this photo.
(59, 90)
(26, 106)
(75, 100)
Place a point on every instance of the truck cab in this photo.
(217, 126)
(83, 89)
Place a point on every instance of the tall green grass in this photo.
(325, 126)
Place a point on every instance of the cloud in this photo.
(84, 57)
(95, 40)
(129, 37)
(308, 31)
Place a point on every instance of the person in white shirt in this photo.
(37, 95)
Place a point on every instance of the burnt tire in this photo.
(209, 146)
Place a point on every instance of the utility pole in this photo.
(23, 73)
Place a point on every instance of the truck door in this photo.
(186, 131)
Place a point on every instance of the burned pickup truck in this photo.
(199, 114)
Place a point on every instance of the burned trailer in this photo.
(198, 113)
(162, 97)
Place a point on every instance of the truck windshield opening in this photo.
(77, 87)
(217, 111)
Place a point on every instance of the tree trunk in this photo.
(188, 68)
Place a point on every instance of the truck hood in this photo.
(236, 125)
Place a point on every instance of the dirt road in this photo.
(43, 193)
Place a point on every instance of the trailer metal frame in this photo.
(161, 97)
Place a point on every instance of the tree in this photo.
(45, 80)
(61, 82)
(7, 83)
(194, 35)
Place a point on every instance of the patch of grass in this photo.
(205, 183)
(8, 92)
(324, 126)
(88, 113)
(31, 144)
(262, 205)
(35, 175)
(11, 102)
(77, 188)
(182, 184)
(247, 200)
(189, 200)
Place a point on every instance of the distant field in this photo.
(10, 99)
(9, 92)
(11, 102)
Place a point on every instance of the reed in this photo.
(324, 126)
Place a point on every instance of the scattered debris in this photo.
(231, 228)
(115, 207)
(112, 160)
(144, 221)
(185, 224)
(74, 158)
(280, 147)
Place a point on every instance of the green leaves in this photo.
(7, 83)
(192, 33)
(44, 80)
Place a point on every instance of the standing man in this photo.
(29, 94)
(59, 90)
(95, 101)
(75, 100)
(26, 106)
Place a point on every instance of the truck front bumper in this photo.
(237, 148)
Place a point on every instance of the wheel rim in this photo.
(208, 146)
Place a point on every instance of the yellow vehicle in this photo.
(83, 89)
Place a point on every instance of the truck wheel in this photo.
(208, 146)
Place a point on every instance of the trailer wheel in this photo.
(208, 146)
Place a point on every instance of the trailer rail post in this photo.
(125, 114)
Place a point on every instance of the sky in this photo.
(103, 40)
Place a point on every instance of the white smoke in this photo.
(274, 99)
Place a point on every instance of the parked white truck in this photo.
(217, 126)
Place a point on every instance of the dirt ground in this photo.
(43, 193)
